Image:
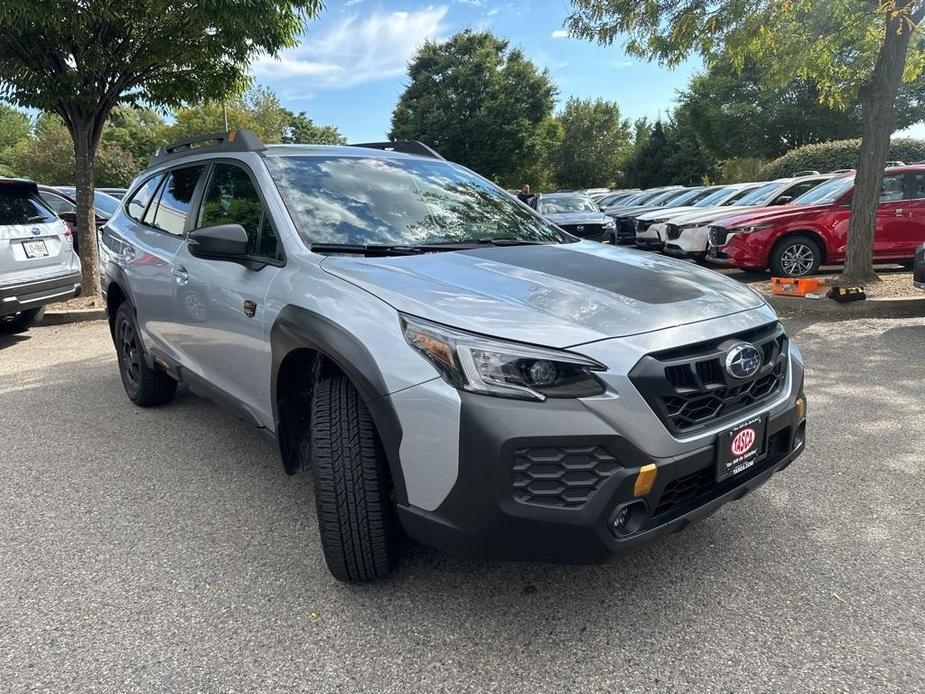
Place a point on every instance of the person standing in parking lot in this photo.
(525, 195)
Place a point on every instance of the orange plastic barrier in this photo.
(789, 286)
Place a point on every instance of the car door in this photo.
(892, 216)
(158, 214)
(220, 307)
(914, 235)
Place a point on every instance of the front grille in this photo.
(582, 229)
(689, 388)
(626, 228)
(718, 236)
(643, 224)
(672, 231)
(561, 476)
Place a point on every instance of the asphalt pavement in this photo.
(165, 550)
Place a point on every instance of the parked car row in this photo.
(789, 226)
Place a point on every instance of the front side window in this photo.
(231, 198)
(891, 188)
(139, 201)
(59, 204)
(176, 195)
(19, 206)
(360, 200)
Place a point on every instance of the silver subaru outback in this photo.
(446, 363)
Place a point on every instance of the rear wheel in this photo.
(144, 385)
(796, 256)
(21, 322)
(355, 515)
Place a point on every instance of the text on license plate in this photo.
(35, 249)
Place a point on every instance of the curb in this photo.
(907, 307)
(78, 315)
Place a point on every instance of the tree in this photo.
(15, 129)
(49, 158)
(139, 131)
(477, 102)
(302, 130)
(80, 58)
(645, 168)
(538, 167)
(856, 51)
(595, 141)
(671, 155)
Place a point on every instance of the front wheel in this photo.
(796, 256)
(20, 322)
(355, 515)
(145, 386)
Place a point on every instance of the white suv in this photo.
(38, 265)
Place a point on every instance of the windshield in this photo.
(686, 197)
(400, 201)
(105, 204)
(559, 204)
(663, 197)
(759, 195)
(826, 193)
(714, 198)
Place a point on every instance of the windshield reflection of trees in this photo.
(368, 201)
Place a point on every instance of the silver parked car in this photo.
(443, 359)
(38, 265)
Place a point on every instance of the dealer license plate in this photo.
(35, 249)
(738, 448)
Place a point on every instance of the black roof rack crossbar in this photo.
(402, 146)
(231, 141)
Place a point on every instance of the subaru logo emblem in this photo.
(36, 231)
(743, 361)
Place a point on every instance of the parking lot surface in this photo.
(165, 550)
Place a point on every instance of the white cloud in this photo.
(357, 49)
(493, 11)
(622, 64)
(559, 34)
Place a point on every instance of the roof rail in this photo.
(402, 146)
(231, 141)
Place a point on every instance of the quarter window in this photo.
(57, 203)
(176, 195)
(231, 198)
(139, 201)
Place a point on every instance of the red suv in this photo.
(794, 240)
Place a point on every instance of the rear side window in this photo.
(917, 186)
(176, 195)
(891, 188)
(231, 198)
(139, 201)
(19, 206)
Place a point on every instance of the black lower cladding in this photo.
(580, 483)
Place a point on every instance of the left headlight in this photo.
(499, 368)
(609, 224)
(750, 229)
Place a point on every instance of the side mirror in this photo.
(783, 200)
(219, 242)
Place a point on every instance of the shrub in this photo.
(841, 154)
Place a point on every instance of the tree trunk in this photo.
(877, 99)
(85, 145)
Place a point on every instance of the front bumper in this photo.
(36, 293)
(486, 515)
(649, 240)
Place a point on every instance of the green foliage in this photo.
(477, 102)
(844, 154)
(539, 170)
(15, 128)
(302, 130)
(594, 144)
(258, 109)
(739, 170)
(671, 155)
(139, 131)
(49, 159)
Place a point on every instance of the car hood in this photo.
(706, 215)
(577, 218)
(779, 213)
(668, 212)
(633, 212)
(554, 295)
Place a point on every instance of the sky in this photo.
(351, 66)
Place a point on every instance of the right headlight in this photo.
(500, 368)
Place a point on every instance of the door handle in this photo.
(180, 273)
(900, 212)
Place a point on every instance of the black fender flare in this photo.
(298, 328)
